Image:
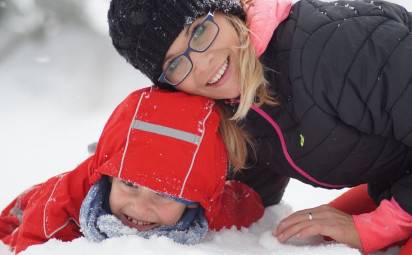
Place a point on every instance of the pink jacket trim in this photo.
(386, 225)
(286, 153)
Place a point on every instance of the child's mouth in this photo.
(138, 224)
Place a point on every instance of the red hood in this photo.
(166, 141)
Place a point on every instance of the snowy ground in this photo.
(56, 93)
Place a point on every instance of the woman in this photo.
(333, 112)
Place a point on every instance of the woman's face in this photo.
(215, 72)
(141, 208)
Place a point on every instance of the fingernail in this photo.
(280, 237)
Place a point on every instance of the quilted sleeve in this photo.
(356, 64)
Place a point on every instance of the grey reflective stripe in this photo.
(166, 131)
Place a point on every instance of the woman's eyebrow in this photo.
(188, 28)
(187, 34)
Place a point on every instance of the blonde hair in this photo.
(236, 139)
(253, 90)
(253, 85)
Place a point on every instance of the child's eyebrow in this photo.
(129, 183)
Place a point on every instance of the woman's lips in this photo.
(225, 76)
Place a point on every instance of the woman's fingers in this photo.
(340, 229)
(297, 217)
(324, 220)
(291, 220)
(294, 230)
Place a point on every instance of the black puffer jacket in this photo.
(343, 74)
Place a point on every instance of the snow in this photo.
(255, 240)
(57, 89)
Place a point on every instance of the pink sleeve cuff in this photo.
(386, 225)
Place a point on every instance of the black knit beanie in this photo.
(143, 30)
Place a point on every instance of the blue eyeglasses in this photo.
(203, 35)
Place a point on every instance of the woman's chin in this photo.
(228, 94)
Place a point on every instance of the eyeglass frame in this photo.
(209, 17)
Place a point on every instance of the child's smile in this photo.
(138, 224)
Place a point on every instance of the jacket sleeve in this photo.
(268, 184)
(388, 216)
(356, 67)
(48, 210)
(261, 172)
(356, 64)
(240, 206)
(11, 216)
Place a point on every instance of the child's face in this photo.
(141, 208)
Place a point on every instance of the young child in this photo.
(159, 169)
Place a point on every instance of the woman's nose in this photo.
(202, 64)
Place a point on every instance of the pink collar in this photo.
(263, 17)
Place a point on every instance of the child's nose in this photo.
(142, 202)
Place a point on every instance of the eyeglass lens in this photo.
(202, 37)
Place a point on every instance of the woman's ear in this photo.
(246, 4)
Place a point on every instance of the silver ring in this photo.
(310, 216)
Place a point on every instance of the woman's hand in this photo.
(322, 220)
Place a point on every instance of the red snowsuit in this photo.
(51, 209)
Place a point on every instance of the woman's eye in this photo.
(199, 31)
(173, 65)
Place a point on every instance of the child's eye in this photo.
(163, 196)
(129, 184)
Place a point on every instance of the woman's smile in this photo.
(221, 75)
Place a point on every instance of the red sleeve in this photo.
(240, 206)
(49, 210)
(7, 225)
(11, 216)
(386, 225)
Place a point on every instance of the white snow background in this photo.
(60, 78)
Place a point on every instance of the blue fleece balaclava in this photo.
(98, 223)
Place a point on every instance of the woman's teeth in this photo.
(138, 222)
(219, 73)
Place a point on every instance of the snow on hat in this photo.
(142, 31)
(168, 142)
